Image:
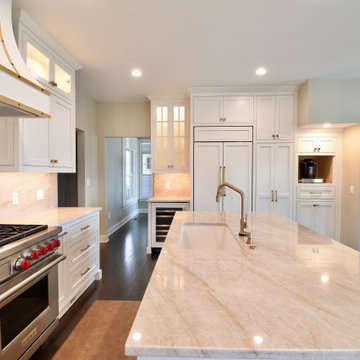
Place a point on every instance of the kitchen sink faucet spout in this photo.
(243, 219)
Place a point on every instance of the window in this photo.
(145, 169)
(129, 176)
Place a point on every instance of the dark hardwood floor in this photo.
(126, 271)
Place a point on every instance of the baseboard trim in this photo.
(121, 223)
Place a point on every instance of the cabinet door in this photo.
(265, 117)
(264, 177)
(207, 110)
(63, 289)
(179, 138)
(283, 179)
(208, 161)
(326, 145)
(160, 137)
(285, 117)
(306, 144)
(62, 134)
(325, 218)
(238, 109)
(238, 172)
(305, 214)
(6, 142)
(35, 142)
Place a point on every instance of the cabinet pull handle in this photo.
(63, 234)
(225, 118)
(85, 248)
(315, 192)
(54, 161)
(224, 180)
(85, 272)
(272, 195)
(276, 196)
(85, 227)
(53, 83)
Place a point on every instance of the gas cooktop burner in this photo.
(10, 233)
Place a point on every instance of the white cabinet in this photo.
(160, 216)
(319, 216)
(275, 117)
(6, 142)
(49, 69)
(169, 135)
(218, 162)
(223, 110)
(80, 244)
(274, 178)
(317, 144)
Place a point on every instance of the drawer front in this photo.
(234, 133)
(315, 192)
(84, 225)
(81, 272)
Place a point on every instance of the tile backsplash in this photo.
(171, 184)
(26, 186)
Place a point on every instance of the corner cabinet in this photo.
(170, 135)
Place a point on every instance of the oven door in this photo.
(29, 309)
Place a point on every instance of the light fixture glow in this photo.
(258, 339)
(325, 278)
(326, 125)
(136, 73)
(136, 336)
(260, 71)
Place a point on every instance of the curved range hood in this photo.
(20, 94)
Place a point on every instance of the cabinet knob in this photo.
(273, 135)
(54, 161)
(277, 136)
(319, 149)
(53, 83)
(314, 149)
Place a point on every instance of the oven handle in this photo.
(31, 278)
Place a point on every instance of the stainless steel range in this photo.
(28, 287)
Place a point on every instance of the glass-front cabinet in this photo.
(48, 69)
(169, 136)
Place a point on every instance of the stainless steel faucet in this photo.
(243, 219)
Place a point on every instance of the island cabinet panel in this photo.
(218, 162)
(319, 216)
(223, 110)
(274, 178)
(275, 117)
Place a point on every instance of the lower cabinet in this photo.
(80, 244)
(160, 216)
(319, 216)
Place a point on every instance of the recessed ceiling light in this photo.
(326, 125)
(136, 73)
(260, 71)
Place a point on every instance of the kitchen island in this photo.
(296, 296)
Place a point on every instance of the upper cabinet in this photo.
(317, 144)
(48, 69)
(275, 117)
(170, 135)
(223, 110)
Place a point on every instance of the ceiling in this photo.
(184, 43)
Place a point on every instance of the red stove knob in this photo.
(50, 246)
(56, 243)
(42, 250)
(34, 254)
(22, 264)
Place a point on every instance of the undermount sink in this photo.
(207, 237)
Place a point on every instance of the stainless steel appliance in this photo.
(28, 288)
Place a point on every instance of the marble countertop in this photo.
(169, 199)
(297, 296)
(54, 216)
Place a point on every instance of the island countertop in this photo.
(296, 296)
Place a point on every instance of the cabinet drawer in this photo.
(315, 192)
(234, 133)
(81, 272)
